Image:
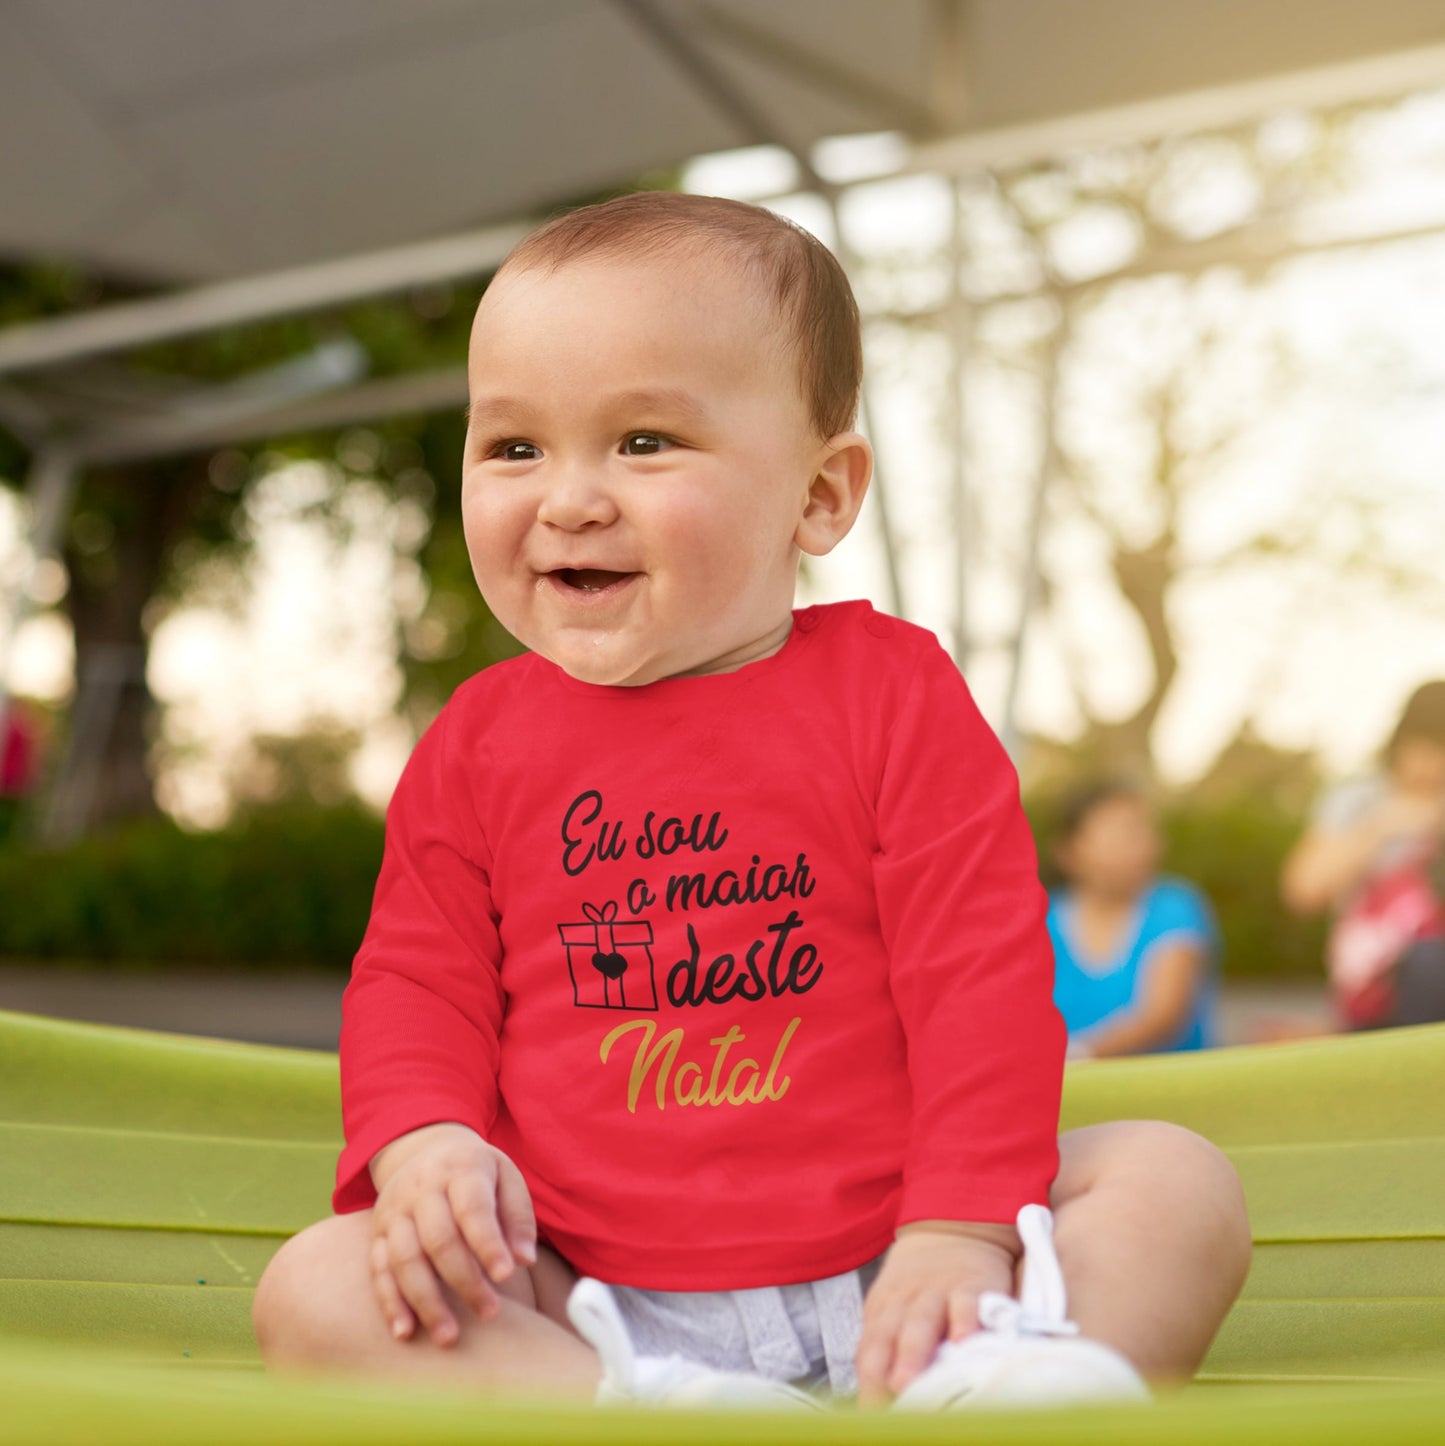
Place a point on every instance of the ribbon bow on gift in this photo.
(607, 959)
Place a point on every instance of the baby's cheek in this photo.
(493, 551)
(491, 524)
(715, 539)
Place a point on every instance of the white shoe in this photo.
(630, 1380)
(1027, 1353)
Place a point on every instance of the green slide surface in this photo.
(146, 1179)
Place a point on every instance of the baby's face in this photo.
(638, 460)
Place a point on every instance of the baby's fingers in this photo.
(399, 1319)
(452, 1257)
(919, 1334)
(962, 1314)
(875, 1352)
(473, 1203)
(514, 1211)
(418, 1283)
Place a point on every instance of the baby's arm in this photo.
(452, 1208)
(928, 1291)
(962, 913)
(421, 1020)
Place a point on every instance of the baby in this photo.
(708, 955)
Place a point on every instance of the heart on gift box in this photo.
(610, 966)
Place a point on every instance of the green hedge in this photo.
(1234, 854)
(292, 885)
(288, 885)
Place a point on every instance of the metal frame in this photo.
(325, 388)
(293, 292)
(1187, 112)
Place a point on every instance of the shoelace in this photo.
(592, 1309)
(1006, 1316)
(1042, 1306)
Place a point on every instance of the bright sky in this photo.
(1317, 660)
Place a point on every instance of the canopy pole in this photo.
(867, 416)
(958, 325)
(50, 484)
(1009, 731)
(680, 47)
(123, 325)
(948, 44)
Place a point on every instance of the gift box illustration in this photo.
(610, 960)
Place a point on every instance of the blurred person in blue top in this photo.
(1136, 952)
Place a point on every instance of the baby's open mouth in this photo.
(590, 579)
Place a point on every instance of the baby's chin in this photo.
(604, 666)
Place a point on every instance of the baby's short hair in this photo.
(805, 281)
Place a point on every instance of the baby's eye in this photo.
(513, 451)
(644, 444)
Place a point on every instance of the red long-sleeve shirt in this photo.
(743, 970)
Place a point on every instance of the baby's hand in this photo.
(927, 1291)
(452, 1208)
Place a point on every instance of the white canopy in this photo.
(171, 140)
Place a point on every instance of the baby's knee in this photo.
(293, 1311)
(1190, 1174)
(1162, 1173)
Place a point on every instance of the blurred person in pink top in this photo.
(1371, 854)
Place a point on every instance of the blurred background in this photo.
(1154, 302)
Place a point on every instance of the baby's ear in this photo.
(842, 471)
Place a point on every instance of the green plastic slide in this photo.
(146, 1179)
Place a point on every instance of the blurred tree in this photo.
(1133, 289)
(116, 551)
(143, 536)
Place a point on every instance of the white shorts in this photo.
(805, 1333)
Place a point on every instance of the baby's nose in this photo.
(575, 496)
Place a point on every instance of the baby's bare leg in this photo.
(1153, 1239)
(315, 1310)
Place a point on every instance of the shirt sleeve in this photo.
(1180, 910)
(421, 1016)
(963, 914)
